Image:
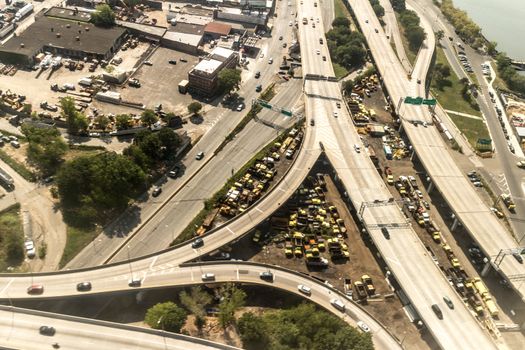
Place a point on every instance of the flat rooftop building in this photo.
(203, 78)
(62, 37)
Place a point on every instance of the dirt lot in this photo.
(361, 261)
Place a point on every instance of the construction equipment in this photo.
(367, 280)
(360, 290)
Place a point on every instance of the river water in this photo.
(502, 21)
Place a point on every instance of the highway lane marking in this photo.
(395, 261)
(7, 285)
(153, 261)
(259, 210)
(229, 229)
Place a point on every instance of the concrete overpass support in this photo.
(454, 224)
(430, 187)
(486, 269)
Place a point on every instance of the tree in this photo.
(166, 316)
(229, 80)
(123, 121)
(341, 22)
(138, 157)
(253, 331)
(169, 140)
(150, 144)
(96, 184)
(102, 121)
(148, 117)
(76, 121)
(398, 5)
(379, 10)
(415, 35)
(491, 48)
(46, 148)
(194, 107)
(195, 302)
(103, 16)
(440, 34)
(233, 298)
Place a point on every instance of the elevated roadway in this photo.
(404, 252)
(434, 154)
(19, 329)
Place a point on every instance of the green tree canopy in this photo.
(194, 107)
(232, 299)
(195, 302)
(229, 80)
(102, 121)
(398, 5)
(166, 316)
(341, 22)
(103, 16)
(123, 121)
(97, 183)
(148, 117)
(46, 148)
(76, 121)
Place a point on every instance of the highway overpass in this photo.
(432, 151)
(19, 329)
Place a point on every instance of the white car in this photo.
(270, 61)
(208, 276)
(304, 289)
(336, 114)
(290, 23)
(318, 51)
(521, 164)
(262, 55)
(357, 148)
(363, 326)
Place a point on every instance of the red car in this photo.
(35, 289)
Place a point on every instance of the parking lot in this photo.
(160, 81)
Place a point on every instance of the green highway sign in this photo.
(286, 112)
(413, 100)
(265, 104)
(430, 102)
(419, 101)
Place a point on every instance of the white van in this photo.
(338, 304)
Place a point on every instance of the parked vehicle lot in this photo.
(159, 81)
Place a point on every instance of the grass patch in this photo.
(340, 9)
(77, 239)
(210, 203)
(18, 167)
(411, 55)
(339, 71)
(473, 129)
(450, 96)
(12, 238)
(73, 153)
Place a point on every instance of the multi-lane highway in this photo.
(20, 329)
(404, 252)
(433, 153)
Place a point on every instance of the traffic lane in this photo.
(425, 267)
(21, 330)
(159, 233)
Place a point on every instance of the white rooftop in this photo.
(189, 39)
(221, 52)
(208, 66)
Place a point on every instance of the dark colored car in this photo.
(385, 232)
(518, 257)
(266, 276)
(35, 289)
(156, 192)
(84, 286)
(257, 75)
(47, 330)
(437, 311)
(172, 61)
(197, 243)
(258, 88)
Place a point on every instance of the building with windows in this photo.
(203, 78)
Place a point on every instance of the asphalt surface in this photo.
(462, 198)
(19, 329)
(154, 229)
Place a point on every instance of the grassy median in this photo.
(12, 238)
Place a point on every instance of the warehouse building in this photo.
(203, 78)
(68, 38)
